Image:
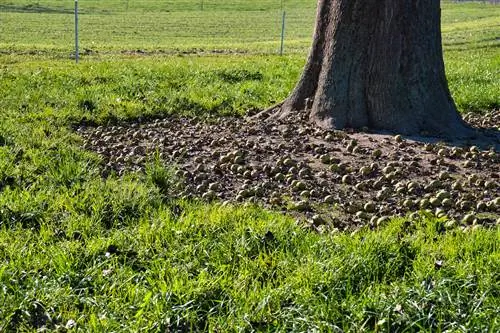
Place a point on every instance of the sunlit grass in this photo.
(89, 253)
(208, 267)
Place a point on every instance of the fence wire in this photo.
(156, 26)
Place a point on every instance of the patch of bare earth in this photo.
(330, 179)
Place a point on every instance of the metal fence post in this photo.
(77, 55)
(283, 33)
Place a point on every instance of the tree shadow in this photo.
(33, 8)
(483, 138)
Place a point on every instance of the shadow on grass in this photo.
(34, 8)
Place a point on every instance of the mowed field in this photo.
(45, 30)
(83, 252)
(153, 25)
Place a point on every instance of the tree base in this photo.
(377, 65)
(460, 134)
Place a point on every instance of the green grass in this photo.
(470, 38)
(99, 92)
(471, 44)
(214, 268)
(197, 266)
(244, 26)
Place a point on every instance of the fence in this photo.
(155, 26)
(143, 26)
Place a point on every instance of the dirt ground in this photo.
(330, 180)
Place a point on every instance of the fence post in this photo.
(283, 33)
(77, 55)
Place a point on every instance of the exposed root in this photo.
(283, 111)
(459, 132)
(266, 113)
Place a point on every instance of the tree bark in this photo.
(377, 64)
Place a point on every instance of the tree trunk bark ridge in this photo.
(377, 64)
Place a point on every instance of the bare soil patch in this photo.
(330, 179)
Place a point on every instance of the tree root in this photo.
(266, 113)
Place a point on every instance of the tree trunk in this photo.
(378, 64)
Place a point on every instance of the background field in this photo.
(84, 253)
(172, 26)
(107, 29)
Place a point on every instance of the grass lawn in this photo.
(82, 253)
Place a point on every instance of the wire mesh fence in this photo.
(157, 26)
(155, 5)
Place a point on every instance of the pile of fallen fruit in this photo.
(334, 180)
